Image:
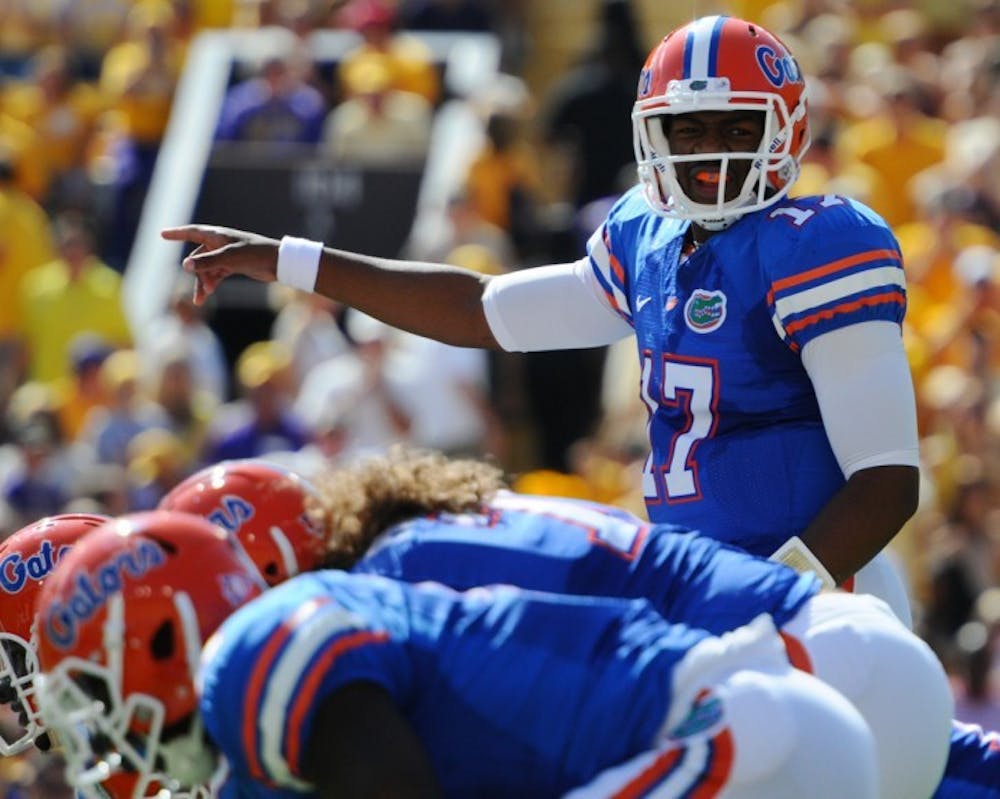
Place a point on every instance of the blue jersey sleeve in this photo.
(973, 768)
(831, 262)
(620, 245)
(268, 667)
(611, 275)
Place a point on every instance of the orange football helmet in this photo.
(27, 558)
(121, 625)
(720, 63)
(264, 505)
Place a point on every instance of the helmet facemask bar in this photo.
(18, 669)
(105, 734)
(98, 735)
(772, 171)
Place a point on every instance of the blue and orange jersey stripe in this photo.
(258, 682)
(309, 685)
(877, 256)
(673, 765)
(808, 301)
(610, 273)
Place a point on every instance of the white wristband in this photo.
(298, 262)
(796, 554)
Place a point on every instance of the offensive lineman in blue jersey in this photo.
(782, 414)
(341, 685)
(420, 516)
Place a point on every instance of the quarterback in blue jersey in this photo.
(781, 409)
(342, 685)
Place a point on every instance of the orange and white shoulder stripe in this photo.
(285, 681)
(841, 287)
(697, 768)
(609, 272)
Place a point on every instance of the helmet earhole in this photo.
(164, 544)
(162, 645)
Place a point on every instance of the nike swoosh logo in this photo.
(641, 302)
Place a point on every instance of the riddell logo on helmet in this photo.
(645, 82)
(15, 571)
(778, 69)
(92, 590)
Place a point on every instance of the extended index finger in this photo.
(196, 234)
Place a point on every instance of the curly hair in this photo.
(355, 504)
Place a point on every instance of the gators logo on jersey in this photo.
(705, 713)
(705, 311)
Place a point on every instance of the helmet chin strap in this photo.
(716, 225)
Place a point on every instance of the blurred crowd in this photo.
(905, 109)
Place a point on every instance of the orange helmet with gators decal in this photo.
(121, 623)
(27, 559)
(264, 505)
(720, 63)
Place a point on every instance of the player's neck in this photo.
(697, 235)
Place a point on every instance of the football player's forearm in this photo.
(433, 300)
(862, 518)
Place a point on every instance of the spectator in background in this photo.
(35, 489)
(447, 389)
(975, 679)
(91, 28)
(62, 111)
(408, 60)
(965, 558)
(22, 33)
(187, 409)
(377, 125)
(108, 430)
(157, 461)
(138, 76)
(30, 171)
(183, 327)
(447, 15)
(588, 111)
(361, 393)
(84, 390)
(209, 14)
(44, 778)
(36, 476)
(25, 243)
(898, 141)
(502, 180)
(308, 325)
(77, 292)
(276, 106)
(463, 226)
(260, 422)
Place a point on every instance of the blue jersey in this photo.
(512, 693)
(738, 448)
(575, 547)
(973, 769)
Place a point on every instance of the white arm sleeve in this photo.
(556, 307)
(865, 392)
